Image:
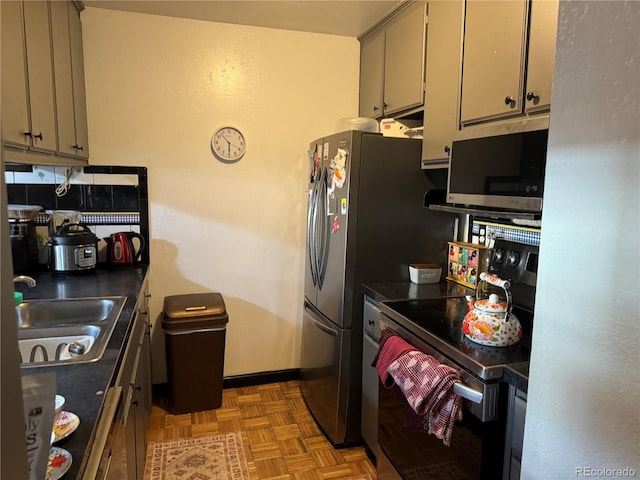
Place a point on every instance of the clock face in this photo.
(228, 144)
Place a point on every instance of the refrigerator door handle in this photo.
(316, 214)
(325, 230)
(311, 230)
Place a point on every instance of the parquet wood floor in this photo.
(281, 439)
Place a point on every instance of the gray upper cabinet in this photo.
(15, 107)
(495, 63)
(542, 53)
(69, 76)
(492, 67)
(79, 94)
(44, 106)
(64, 83)
(40, 76)
(28, 118)
(372, 75)
(444, 52)
(392, 61)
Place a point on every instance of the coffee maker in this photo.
(24, 242)
(24, 245)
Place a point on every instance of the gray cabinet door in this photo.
(62, 74)
(444, 51)
(372, 75)
(541, 57)
(40, 75)
(404, 60)
(79, 94)
(370, 338)
(15, 106)
(492, 64)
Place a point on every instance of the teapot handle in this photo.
(500, 283)
(495, 280)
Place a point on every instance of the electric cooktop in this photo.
(438, 322)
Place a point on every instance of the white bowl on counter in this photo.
(424, 273)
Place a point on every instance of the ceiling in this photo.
(347, 18)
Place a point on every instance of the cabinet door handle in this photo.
(38, 135)
(78, 147)
(28, 134)
(532, 97)
(509, 100)
(371, 322)
(447, 149)
(375, 109)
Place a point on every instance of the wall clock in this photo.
(228, 144)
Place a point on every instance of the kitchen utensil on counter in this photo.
(491, 322)
(23, 212)
(24, 245)
(73, 249)
(424, 273)
(121, 251)
(24, 242)
(57, 218)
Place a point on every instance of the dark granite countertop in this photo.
(517, 374)
(381, 291)
(84, 385)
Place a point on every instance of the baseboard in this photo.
(249, 379)
(261, 378)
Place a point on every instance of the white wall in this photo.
(157, 89)
(583, 407)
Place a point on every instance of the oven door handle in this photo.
(467, 392)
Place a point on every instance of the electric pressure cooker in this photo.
(73, 249)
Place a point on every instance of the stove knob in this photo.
(512, 258)
(498, 255)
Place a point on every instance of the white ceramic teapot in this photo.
(491, 322)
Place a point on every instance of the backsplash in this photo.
(110, 198)
(483, 232)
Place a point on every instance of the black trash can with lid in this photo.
(195, 328)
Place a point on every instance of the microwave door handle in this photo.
(467, 392)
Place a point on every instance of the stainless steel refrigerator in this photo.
(366, 222)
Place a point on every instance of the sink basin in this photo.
(48, 328)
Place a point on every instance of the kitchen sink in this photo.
(66, 331)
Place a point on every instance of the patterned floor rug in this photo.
(203, 458)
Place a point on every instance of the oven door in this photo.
(407, 451)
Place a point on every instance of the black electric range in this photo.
(438, 322)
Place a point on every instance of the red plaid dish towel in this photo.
(390, 348)
(428, 387)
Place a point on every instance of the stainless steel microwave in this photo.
(500, 165)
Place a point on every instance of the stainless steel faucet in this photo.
(30, 281)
